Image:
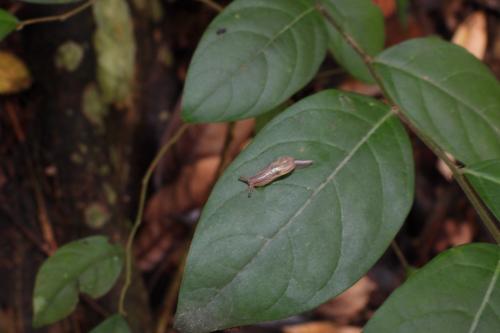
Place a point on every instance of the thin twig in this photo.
(457, 174)
(400, 255)
(96, 307)
(330, 72)
(55, 18)
(140, 211)
(165, 318)
(50, 245)
(215, 6)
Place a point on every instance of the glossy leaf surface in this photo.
(308, 236)
(252, 57)
(457, 292)
(485, 177)
(447, 93)
(90, 265)
(364, 22)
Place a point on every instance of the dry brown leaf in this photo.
(314, 327)
(189, 191)
(320, 327)
(348, 305)
(190, 188)
(454, 233)
(396, 33)
(353, 85)
(9, 321)
(14, 75)
(388, 7)
(349, 329)
(472, 34)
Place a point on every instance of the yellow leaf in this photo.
(14, 75)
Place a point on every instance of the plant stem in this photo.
(140, 211)
(441, 154)
(400, 255)
(165, 319)
(55, 18)
(215, 6)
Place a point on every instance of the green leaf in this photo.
(252, 57)
(485, 177)
(262, 120)
(90, 265)
(115, 48)
(8, 23)
(306, 237)
(364, 22)
(447, 93)
(459, 291)
(114, 324)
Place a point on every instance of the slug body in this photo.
(282, 166)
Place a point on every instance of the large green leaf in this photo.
(485, 177)
(305, 238)
(90, 265)
(457, 292)
(252, 57)
(364, 22)
(8, 23)
(114, 324)
(447, 93)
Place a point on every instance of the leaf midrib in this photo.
(339, 167)
(488, 122)
(482, 175)
(485, 300)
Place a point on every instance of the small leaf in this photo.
(8, 23)
(114, 324)
(447, 93)
(459, 291)
(364, 22)
(115, 47)
(485, 177)
(306, 237)
(252, 57)
(90, 265)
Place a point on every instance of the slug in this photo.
(280, 167)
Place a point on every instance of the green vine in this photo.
(140, 212)
(457, 174)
